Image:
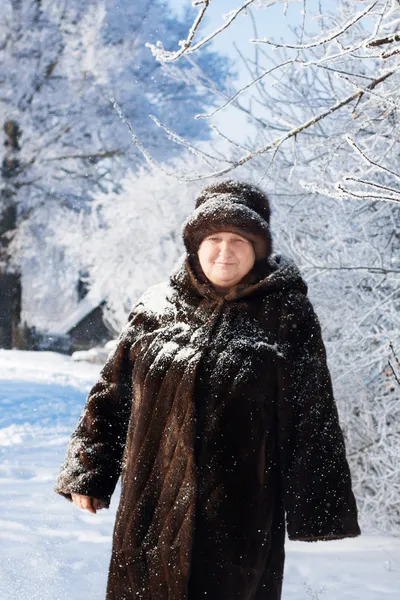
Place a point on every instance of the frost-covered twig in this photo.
(163, 55)
(373, 184)
(323, 41)
(94, 156)
(149, 159)
(397, 361)
(365, 196)
(374, 442)
(243, 89)
(293, 132)
(228, 139)
(222, 93)
(390, 53)
(384, 100)
(395, 37)
(383, 270)
(345, 48)
(395, 197)
(180, 140)
(367, 159)
(147, 156)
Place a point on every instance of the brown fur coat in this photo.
(219, 415)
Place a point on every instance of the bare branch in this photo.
(358, 268)
(179, 140)
(243, 89)
(373, 184)
(391, 53)
(367, 91)
(369, 160)
(366, 196)
(147, 156)
(186, 45)
(394, 373)
(386, 40)
(338, 71)
(397, 361)
(96, 155)
(322, 41)
(136, 140)
(394, 354)
(225, 137)
(373, 443)
(296, 130)
(220, 92)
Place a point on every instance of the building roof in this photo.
(87, 305)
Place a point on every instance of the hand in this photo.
(87, 503)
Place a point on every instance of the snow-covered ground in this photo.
(51, 551)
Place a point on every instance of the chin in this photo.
(226, 283)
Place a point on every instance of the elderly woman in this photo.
(217, 410)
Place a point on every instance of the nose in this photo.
(225, 248)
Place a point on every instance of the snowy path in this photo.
(52, 551)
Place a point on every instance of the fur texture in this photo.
(230, 206)
(218, 413)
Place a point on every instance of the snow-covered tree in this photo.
(132, 238)
(60, 64)
(337, 74)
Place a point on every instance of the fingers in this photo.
(87, 503)
(83, 502)
(98, 504)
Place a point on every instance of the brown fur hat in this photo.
(230, 205)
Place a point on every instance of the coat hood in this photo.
(277, 273)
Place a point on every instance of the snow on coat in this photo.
(218, 413)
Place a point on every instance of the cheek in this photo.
(205, 254)
(209, 249)
(248, 257)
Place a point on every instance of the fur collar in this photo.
(276, 273)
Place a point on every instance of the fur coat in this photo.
(218, 413)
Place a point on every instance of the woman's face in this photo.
(226, 258)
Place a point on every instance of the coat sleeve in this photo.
(317, 492)
(94, 455)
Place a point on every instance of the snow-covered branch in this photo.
(395, 366)
(277, 142)
(291, 95)
(187, 46)
(324, 40)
